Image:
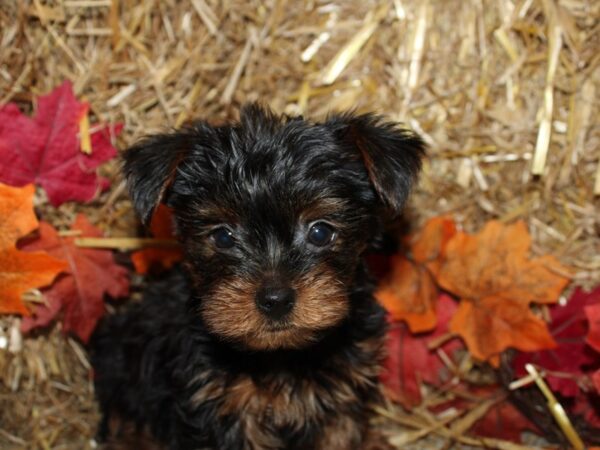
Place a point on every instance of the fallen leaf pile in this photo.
(458, 300)
(496, 281)
(56, 151)
(468, 313)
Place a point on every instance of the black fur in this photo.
(260, 177)
(145, 360)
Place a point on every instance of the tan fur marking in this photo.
(322, 300)
(214, 211)
(281, 402)
(322, 208)
(376, 349)
(231, 312)
(124, 436)
(276, 402)
(257, 437)
(342, 433)
(210, 391)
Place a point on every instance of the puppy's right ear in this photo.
(150, 169)
(390, 153)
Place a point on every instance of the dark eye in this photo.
(223, 238)
(321, 234)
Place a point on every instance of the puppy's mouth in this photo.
(279, 327)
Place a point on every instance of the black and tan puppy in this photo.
(269, 338)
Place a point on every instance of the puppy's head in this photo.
(274, 214)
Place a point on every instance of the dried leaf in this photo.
(79, 294)
(410, 361)
(596, 381)
(503, 421)
(492, 274)
(593, 315)
(164, 258)
(430, 243)
(409, 292)
(20, 271)
(564, 364)
(46, 149)
(491, 325)
(17, 218)
(495, 263)
(587, 406)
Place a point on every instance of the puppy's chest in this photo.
(280, 401)
(285, 399)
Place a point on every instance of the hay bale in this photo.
(505, 94)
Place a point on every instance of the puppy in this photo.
(269, 336)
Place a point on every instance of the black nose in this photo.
(275, 302)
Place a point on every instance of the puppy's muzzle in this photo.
(275, 302)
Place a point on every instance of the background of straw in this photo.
(504, 92)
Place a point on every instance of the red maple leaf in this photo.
(592, 313)
(502, 420)
(410, 361)
(564, 364)
(79, 294)
(596, 380)
(587, 406)
(45, 149)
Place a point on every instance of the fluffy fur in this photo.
(197, 364)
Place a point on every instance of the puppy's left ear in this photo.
(150, 168)
(391, 154)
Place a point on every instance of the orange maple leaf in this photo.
(161, 227)
(496, 281)
(409, 292)
(20, 271)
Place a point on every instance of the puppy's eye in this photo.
(321, 234)
(223, 238)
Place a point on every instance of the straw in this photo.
(556, 409)
(543, 140)
(504, 94)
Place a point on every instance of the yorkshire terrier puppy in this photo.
(269, 336)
